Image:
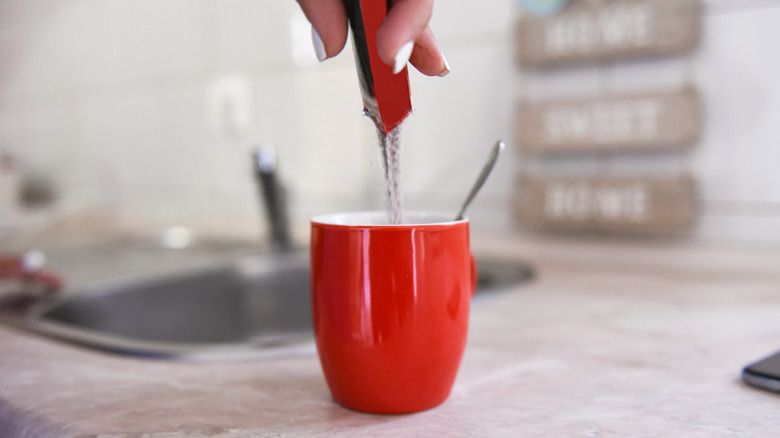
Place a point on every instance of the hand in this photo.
(406, 22)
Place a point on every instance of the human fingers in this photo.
(405, 36)
(329, 26)
(427, 57)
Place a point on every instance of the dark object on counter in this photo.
(764, 374)
(37, 191)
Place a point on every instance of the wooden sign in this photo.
(589, 31)
(651, 121)
(599, 203)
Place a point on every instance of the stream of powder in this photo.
(391, 159)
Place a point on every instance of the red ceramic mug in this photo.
(391, 307)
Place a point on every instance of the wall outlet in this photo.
(229, 105)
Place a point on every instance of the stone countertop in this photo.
(610, 339)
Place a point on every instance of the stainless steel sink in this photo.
(256, 305)
(248, 305)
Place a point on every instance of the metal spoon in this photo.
(500, 145)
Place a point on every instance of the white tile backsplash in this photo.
(464, 23)
(457, 120)
(145, 41)
(740, 157)
(48, 46)
(250, 33)
(115, 102)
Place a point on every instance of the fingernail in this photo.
(446, 70)
(319, 47)
(402, 57)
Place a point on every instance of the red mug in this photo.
(390, 305)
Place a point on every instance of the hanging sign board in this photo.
(603, 203)
(663, 120)
(588, 31)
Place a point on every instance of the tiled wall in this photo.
(147, 110)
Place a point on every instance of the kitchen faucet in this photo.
(265, 166)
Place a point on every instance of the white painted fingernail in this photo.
(402, 57)
(446, 70)
(319, 47)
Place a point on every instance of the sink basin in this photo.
(257, 305)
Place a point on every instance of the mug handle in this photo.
(474, 275)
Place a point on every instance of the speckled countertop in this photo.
(611, 339)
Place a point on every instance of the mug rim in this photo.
(377, 218)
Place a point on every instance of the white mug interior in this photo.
(380, 218)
